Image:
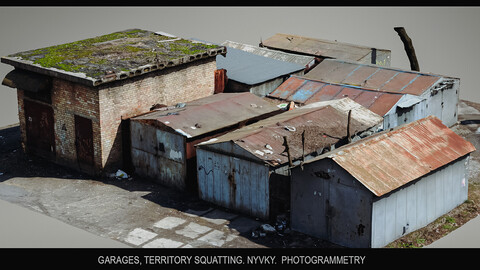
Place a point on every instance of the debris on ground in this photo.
(120, 175)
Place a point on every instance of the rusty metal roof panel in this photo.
(324, 125)
(306, 91)
(399, 81)
(314, 122)
(328, 92)
(303, 90)
(367, 98)
(359, 112)
(419, 85)
(349, 92)
(284, 90)
(386, 161)
(372, 77)
(379, 78)
(358, 77)
(383, 103)
(211, 113)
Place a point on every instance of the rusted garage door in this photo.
(84, 143)
(39, 129)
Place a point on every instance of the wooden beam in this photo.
(287, 149)
(348, 126)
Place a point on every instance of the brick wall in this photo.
(107, 104)
(124, 99)
(70, 99)
(21, 118)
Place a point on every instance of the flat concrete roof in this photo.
(114, 56)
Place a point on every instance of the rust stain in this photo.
(386, 161)
(379, 102)
(373, 78)
(210, 114)
(322, 126)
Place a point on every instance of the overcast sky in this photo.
(446, 39)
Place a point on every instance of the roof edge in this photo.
(348, 85)
(93, 82)
(391, 68)
(334, 42)
(333, 154)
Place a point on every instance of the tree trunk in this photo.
(407, 42)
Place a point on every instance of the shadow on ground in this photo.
(16, 164)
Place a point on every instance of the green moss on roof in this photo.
(119, 51)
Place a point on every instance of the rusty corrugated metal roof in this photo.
(386, 161)
(324, 125)
(306, 91)
(211, 113)
(317, 47)
(371, 77)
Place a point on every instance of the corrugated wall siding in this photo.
(415, 206)
(442, 101)
(158, 155)
(234, 183)
(330, 204)
(398, 116)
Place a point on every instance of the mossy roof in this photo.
(114, 56)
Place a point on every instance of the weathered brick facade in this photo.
(106, 106)
(126, 99)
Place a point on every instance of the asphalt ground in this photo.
(134, 212)
(46, 205)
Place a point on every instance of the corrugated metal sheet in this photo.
(387, 161)
(211, 113)
(251, 69)
(415, 206)
(306, 91)
(318, 47)
(324, 125)
(408, 109)
(380, 79)
(234, 183)
(359, 112)
(303, 60)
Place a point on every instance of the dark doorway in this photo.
(84, 143)
(39, 129)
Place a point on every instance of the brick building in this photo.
(73, 98)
